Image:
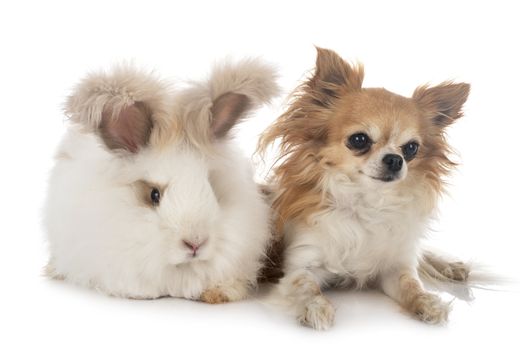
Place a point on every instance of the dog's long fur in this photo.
(341, 224)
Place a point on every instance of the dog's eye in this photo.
(359, 141)
(155, 196)
(410, 150)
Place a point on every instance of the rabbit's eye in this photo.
(147, 193)
(155, 196)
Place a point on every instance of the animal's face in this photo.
(370, 137)
(375, 137)
(175, 193)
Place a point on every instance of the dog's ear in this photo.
(442, 103)
(334, 74)
(121, 107)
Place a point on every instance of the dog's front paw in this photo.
(318, 314)
(430, 308)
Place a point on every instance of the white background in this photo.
(47, 46)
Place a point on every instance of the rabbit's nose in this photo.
(193, 245)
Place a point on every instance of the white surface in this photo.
(47, 46)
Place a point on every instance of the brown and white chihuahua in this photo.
(358, 178)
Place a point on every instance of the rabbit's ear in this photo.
(209, 110)
(130, 129)
(226, 111)
(236, 89)
(122, 107)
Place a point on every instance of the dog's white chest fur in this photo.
(360, 235)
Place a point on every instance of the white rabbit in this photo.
(148, 197)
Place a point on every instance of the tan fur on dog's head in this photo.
(331, 113)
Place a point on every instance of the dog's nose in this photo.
(394, 162)
(193, 246)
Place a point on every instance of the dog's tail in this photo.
(440, 272)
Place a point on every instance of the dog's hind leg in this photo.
(434, 266)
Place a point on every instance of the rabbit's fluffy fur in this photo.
(149, 197)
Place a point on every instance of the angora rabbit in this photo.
(148, 197)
